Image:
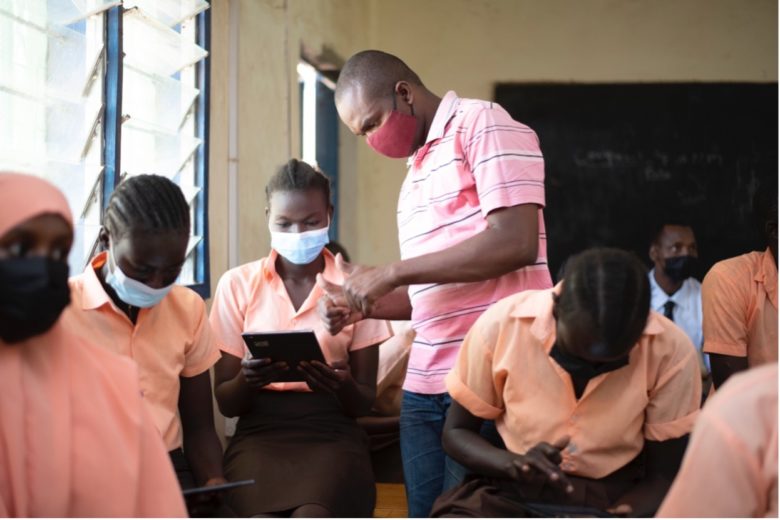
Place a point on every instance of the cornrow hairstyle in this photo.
(147, 203)
(376, 72)
(607, 290)
(297, 175)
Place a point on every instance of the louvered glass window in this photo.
(51, 102)
(59, 97)
(161, 103)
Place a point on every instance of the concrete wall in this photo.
(465, 45)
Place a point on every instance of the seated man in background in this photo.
(739, 300)
(673, 290)
(587, 365)
(730, 468)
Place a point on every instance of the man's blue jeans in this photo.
(428, 471)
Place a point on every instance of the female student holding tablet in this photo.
(298, 440)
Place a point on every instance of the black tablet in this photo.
(216, 489)
(291, 346)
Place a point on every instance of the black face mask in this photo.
(680, 268)
(581, 369)
(33, 294)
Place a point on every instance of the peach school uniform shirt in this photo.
(168, 341)
(476, 159)
(75, 437)
(739, 298)
(730, 467)
(504, 372)
(252, 298)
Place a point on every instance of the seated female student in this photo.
(126, 300)
(298, 440)
(75, 437)
(584, 366)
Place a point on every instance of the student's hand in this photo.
(543, 460)
(365, 285)
(260, 372)
(621, 511)
(326, 378)
(333, 307)
(206, 505)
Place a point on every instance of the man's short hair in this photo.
(667, 220)
(376, 72)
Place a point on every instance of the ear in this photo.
(267, 212)
(330, 212)
(404, 89)
(103, 239)
(653, 253)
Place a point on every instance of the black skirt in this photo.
(300, 448)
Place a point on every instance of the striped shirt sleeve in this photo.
(505, 160)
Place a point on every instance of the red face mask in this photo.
(396, 135)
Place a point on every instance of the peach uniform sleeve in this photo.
(228, 311)
(675, 398)
(726, 304)
(730, 467)
(472, 381)
(201, 352)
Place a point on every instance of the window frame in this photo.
(112, 133)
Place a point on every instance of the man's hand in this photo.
(365, 285)
(543, 461)
(333, 307)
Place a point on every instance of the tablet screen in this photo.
(219, 488)
(290, 346)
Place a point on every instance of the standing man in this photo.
(471, 232)
(674, 292)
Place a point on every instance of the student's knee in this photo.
(311, 511)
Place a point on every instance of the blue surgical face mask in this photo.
(133, 292)
(300, 248)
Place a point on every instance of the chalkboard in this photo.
(619, 156)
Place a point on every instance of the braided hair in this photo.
(608, 292)
(148, 203)
(297, 175)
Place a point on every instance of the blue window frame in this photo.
(112, 134)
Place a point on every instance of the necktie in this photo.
(669, 309)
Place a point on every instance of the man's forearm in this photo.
(489, 254)
(393, 306)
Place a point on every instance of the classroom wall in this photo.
(267, 37)
(465, 45)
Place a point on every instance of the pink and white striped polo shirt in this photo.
(476, 159)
